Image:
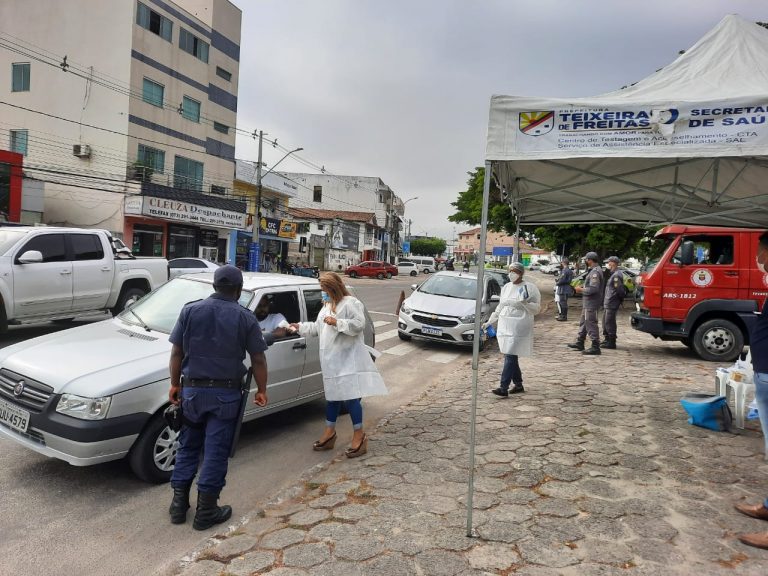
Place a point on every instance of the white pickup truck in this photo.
(58, 273)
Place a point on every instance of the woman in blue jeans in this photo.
(758, 347)
(349, 373)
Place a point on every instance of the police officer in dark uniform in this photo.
(210, 340)
(592, 292)
(563, 290)
(614, 296)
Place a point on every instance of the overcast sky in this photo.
(400, 89)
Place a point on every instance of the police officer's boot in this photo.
(562, 317)
(578, 345)
(179, 504)
(594, 350)
(209, 513)
(609, 343)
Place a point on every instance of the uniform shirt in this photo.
(593, 288)
(614, 290)
(564, 281)
(215, 335)
(758, 341)
(271, 322)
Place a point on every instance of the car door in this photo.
(364, 269)
(285, 357)
(92, 272)
(312, 378)
(43, 287)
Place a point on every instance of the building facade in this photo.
(356, 193)
(467, 247)
(125, 113)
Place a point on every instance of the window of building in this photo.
(194, 45)
(87, 247)
(51, 246)
(321, 226)
(152, 158)
(154, 22)
(220, 190)
(153, 93)
(20, 77)
(219, 127)
(221, 73)
(147, 240)
(187, 174)
(317, 194)
(190, 109)
(19, 141)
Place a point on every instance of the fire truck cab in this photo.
(705, 290)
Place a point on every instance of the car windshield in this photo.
(8, 238)
(160, 309)
(501, 277)
(450, 286)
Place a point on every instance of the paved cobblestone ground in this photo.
(593, 470)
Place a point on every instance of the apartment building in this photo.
(124, 112)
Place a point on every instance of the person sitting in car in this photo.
(271, 323)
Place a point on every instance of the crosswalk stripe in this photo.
(400, 349)
(379, 323)
(442, 357)
(385, 336)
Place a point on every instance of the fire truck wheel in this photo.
(718, 340)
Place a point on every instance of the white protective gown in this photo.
(514, 331)
(348, 370)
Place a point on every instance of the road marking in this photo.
(400, 349)
(379, 323)
(443, 357)
(385, 336)
(382, 313)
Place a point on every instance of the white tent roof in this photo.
(688, 144)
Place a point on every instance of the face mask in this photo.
(325, 297)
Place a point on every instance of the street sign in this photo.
(503, 251)
(254, 254)
(406, 247)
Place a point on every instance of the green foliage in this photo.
(427, 246)
(469, 205)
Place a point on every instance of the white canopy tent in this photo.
(688, 144)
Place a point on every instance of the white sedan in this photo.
(407, 269)
(181, 266)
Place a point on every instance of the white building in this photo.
(125, 111)
(355, 194)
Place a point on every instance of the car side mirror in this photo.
(414, 286)
(686, 253)
(31, 257)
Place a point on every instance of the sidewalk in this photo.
(593, 470)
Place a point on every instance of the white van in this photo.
(425, 263)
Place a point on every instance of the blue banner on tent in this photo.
(254, 254)
(503, 251)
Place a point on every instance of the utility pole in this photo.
(255, 252)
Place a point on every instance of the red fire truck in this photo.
(705, 290)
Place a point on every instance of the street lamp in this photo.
(255, 255)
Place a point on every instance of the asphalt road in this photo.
(59, 519)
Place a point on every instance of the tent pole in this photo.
(476, 344)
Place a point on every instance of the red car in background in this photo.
(372, 268)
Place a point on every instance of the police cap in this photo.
(614, 259)
(228, 275)
(591, 256)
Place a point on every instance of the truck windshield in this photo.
(160, 309)
(8, 238)
(655, 250)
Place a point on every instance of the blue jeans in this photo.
(354, 406)
(761, 395)
(511, 372)
(215, 410)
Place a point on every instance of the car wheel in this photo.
(380, 275)
(414, 273)
(127, 298)
(389, 275)
(353, 274)
(403, 336)
(153, 455)
(718, 340)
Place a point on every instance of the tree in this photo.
(469, 205)
(427, 246)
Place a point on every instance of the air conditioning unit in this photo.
(81, 150)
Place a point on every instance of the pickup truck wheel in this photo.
(3, 318)
(718, 340)
(153, 456)
(127, 298)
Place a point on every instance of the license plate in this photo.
(431, 331)
(14, 417)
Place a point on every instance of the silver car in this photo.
(181, 266)
(97, 392)
(442, 309)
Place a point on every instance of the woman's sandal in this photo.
(361, 449)
(327, 445)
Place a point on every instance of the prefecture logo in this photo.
(18, 390)
(537, 123)
(702, 277)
